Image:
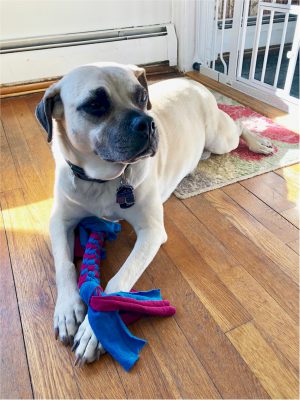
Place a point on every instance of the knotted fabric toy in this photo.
(109, 314)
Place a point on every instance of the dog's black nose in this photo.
(144, 126)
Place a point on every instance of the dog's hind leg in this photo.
(223, 136)
(228, 133)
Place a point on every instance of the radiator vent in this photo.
(34, 59)
(81, 38)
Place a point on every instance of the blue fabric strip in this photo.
(94, 224)
(148, 295)
(115, 337)
(111, 331)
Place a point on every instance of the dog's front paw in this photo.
(86, 346)
(69, 313)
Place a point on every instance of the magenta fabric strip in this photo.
(160, 308)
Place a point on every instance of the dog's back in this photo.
(183, 110)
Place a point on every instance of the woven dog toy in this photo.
(109, 314)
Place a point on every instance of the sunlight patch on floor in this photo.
(290, 121)
(31, 218)
(292, 180)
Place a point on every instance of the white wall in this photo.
(30, 18)
(27, 18)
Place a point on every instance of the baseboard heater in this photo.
(34, 59)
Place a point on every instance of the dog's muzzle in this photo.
(133, 138)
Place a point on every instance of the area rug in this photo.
(241, 163)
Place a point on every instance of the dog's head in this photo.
(103, 110)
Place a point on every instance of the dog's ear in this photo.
(140, 74)
(50, 106)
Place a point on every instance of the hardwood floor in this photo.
(230, 266)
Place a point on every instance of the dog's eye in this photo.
(144, 96)
(94, 108)
(97, 106)
(141, 97)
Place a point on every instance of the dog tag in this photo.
(125, 196)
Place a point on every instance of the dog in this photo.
(110, 131)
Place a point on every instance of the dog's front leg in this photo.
(151, 234)
(149, 240)
(69, 309)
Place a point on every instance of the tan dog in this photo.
(100, 121)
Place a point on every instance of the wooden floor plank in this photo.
(189, 243)
(36, 190)
(37, 144)
(13, 361)
(32, 102)
(281, 184)
(32, 154)
(36, 305)
(290, 173)
(294, 245)
(251, 295)
(8, 176)
(278, 380)
(275, 325)
(292, 215)
(279, 285)
(248, 225)
(98, 380)
(23, 158)
(216, 297)
(209, 343)
(274, 222)
(217, 256)
(280, 198)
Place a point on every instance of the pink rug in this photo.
(240, 164)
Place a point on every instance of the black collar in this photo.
(79, 173)
(124, 196)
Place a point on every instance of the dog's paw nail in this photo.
(71, 340)
(75, 344)
(56, 332)
(65, 340)
(82, 362)
(77, 359)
